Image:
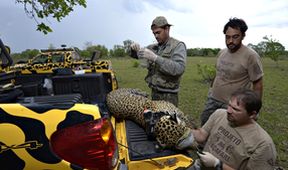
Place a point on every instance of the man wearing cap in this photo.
(166, 62)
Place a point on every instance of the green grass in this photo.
(193, 93)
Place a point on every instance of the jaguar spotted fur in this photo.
(128, 103)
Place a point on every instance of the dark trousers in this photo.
(210, 107)
(169, 97)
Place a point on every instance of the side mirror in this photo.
(5, 58)
(8, 49)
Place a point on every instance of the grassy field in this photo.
(193, 93)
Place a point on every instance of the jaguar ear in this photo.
(151, 118)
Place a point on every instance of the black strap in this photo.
(219, 166)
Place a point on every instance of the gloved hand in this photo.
(186, 140)
(135, 46)
(148, 54)
(208, 159)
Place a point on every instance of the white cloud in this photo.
(109, 22)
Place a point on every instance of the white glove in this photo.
(135, 46)
(148, 54)
(186, 140)
(208, 159)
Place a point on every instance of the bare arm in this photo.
(258, 87)
(200, 135)
(226, 167)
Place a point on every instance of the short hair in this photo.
(249, 98)
(236, 23)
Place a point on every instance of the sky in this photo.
(198, 23)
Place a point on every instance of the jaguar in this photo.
(172, 124)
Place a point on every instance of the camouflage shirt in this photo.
(165, 73)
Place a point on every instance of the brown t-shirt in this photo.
(234, 71)
(246, 148)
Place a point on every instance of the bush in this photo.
(136, 64)
(208, 72)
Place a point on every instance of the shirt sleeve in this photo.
(174, 66)
(255, 68)
(263, 158)
(209, 125)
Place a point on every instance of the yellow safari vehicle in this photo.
(50, 59)
(58, 119)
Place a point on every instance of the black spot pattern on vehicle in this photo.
(74, 118)
(34, 130)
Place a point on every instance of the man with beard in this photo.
(237, 67)
(234, 140)
(166, 62)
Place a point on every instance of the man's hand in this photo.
(148, 54)
(135, 46)
(186, 140)
(208, 159)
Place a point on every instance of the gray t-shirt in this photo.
(234, 71)
(247, 148)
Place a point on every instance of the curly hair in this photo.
(236, 23)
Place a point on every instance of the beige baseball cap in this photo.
(160, 21)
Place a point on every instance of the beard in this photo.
(233, 47)
(230, 120)
(160, 42)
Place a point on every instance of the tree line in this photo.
(269, 47)
(41, 10)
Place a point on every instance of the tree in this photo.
(208, 72)
(24, 55)
(28, 54)
(101, 48)
(85, 54)
(42, 9)
(203, 52)
(273, 49)
(259, 48)
(118, 51)
(127, 44)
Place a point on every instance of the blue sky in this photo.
(110, 22)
